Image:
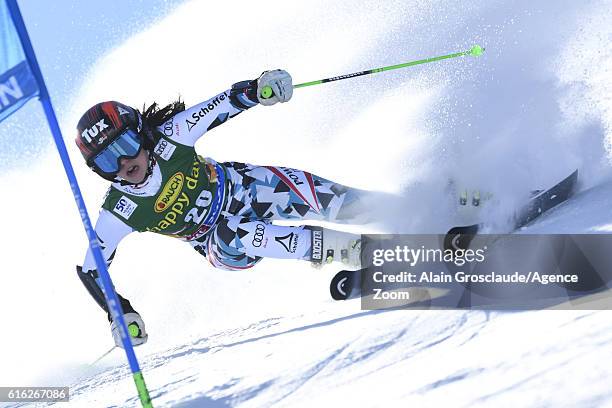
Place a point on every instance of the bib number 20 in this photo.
(202, 203)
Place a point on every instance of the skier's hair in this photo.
(155, 116)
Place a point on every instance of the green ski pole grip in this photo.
(476, 51)
(134, 330)
(266, 92)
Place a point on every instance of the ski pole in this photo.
(102, 356)
(134, 332)
(110, 295)
(475, 51)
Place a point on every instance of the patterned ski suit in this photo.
(224, 210)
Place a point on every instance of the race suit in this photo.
(224, 210)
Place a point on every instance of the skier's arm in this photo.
(188, 126)
(110, 231)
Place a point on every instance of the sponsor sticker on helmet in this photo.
(122, 111)
(164, 149)
(125, 207)
(89, 133)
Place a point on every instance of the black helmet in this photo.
(110, 123)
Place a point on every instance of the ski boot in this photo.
(335, 246)
(477, 198)
(471, 205)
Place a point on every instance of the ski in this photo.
(345, 285)
(461, 236)
(547, 200)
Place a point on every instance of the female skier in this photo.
(223, 210)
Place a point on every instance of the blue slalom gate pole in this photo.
(109, 290)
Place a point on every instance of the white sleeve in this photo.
(188, 126)
(110, 231)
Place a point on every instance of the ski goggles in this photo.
(127, 145)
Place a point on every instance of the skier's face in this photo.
(135, 170)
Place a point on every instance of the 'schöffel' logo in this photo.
(170, 192)
(205, 108)
(259, 235)
(289, 242)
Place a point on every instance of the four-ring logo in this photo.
(259, 235)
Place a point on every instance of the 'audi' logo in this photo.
(168, 128)
(259, 235)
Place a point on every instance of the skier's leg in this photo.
(237, 243)
(222, 247)
(275, 193)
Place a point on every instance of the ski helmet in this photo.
(101, 126)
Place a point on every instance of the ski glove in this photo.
(136, 329)
(280, 83)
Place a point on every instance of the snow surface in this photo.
(535, 106)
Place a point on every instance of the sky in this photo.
(68, 38)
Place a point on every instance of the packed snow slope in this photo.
(534, 107)
(307, 350)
